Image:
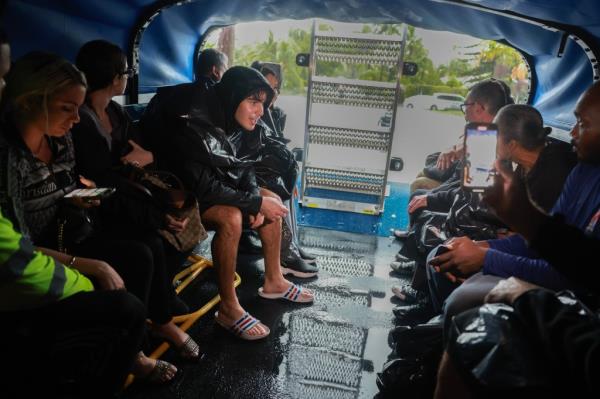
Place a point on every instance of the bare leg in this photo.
(449, 382)
(270, 235)
(227, 222)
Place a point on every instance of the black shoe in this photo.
(407, 294)
(250, 243)
(293, 264)
(406, 268)
(413, 314)
(308, 258)
(400, 234)
(402, 258)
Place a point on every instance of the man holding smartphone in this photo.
(483, 101)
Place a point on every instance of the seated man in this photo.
(566, 338)
(225, 122)
(161, 115)
(278, 168)
(483, 101)
(578, 203)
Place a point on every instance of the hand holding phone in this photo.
(480, 155)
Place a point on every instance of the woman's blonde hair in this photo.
(34, 79)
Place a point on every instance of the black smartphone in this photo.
(91, 193)
(480, 155)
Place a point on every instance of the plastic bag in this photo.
(418, 351)
(277, 169)
(492, 345)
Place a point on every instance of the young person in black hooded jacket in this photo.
(223, 124)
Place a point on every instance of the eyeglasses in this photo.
(129, 72)
(463, 107)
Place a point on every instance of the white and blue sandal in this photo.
(241, 327)
(293, 294)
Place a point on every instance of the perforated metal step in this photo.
(310, 331)
(353, 93)
(343, 137)
(366, 183)
(345, 266)
(366, 49)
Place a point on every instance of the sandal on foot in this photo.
(293, 294)
(159, 373)
(241, 327)
(189, 350)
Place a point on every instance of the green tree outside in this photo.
(484, 60)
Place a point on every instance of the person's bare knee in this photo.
(226, 220)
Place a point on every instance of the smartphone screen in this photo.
(91, 193)
(480, 155)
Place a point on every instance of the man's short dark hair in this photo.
(492, 93)
(524, 124)
(207, 59)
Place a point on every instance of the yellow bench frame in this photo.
(186, 276)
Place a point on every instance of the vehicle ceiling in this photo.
(169, 41)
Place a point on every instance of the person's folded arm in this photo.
(536, 271)
(514, 244)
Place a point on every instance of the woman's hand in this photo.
(105, 275)
(82, 202)
(138, 156)
(176, 225)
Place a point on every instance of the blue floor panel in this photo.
(395, 215)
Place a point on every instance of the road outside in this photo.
(417, 132)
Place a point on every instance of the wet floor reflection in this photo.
(332, 349)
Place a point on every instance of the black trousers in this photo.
(83, 345)
(140, 260)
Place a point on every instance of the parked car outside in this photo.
(437, 101)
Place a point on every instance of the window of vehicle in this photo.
(428, 118)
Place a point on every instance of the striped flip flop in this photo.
(293, 294)
(241, 327)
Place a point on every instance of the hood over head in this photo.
(235, 86)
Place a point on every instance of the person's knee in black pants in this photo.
(468, 295)
(440, 286)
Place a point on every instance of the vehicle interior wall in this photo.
(168, 43)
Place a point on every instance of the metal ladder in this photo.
(346, 161)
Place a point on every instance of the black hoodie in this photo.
(213, 155)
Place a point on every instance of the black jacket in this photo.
(99, 160)
(212, 154)
(545, 179)
(162, 117)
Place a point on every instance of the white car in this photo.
(437, 101)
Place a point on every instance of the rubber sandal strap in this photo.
(245, 323)
(293, 293)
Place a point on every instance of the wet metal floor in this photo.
(332, 349)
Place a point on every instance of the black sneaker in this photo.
(408, 294)
(293, 264)
(402, 258)
(405, 268)
(413, 314)
(400, 234)
(308, 258)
